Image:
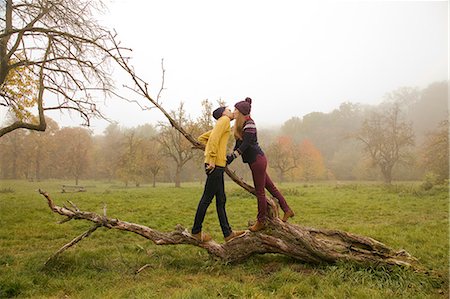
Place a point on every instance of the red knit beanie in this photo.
(244, 106)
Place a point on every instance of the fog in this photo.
(291, 58)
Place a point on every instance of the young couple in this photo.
(216, 159)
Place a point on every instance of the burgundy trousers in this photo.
(262, 181)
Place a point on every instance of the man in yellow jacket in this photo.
(215, 161)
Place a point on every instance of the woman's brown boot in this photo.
(288, 214)
(257, 226)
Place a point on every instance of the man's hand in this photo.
(210, 168)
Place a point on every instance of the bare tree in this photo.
(205, 120)
(154, 159)
(60, 45)
(386, 139)
(174, 145)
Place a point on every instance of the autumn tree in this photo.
(73, 151)
(40, 148)
(435, 152)
(11, 149)
(153, 158)
(128, 167)
(53, 56)
(174, 145)
(311, 161)
(386, 139)
(284, 155)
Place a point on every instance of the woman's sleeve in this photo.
(248, 137)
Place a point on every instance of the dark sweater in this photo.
(248, 147)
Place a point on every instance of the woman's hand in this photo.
(231, 157)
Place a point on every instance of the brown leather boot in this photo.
(288, 214)
(202, 237)
(234, 234)
(257, 226)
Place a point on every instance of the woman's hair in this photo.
(238, 125)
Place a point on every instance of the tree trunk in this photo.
(154, 180)
(306, 244)
(14, 165)
(387, 174)
(177, 177)
(38, 168)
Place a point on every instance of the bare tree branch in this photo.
(303, 243)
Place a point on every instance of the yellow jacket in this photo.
(216, 142)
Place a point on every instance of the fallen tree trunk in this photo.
(306, 244)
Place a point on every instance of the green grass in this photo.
(402, 216)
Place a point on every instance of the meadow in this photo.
(403, 216)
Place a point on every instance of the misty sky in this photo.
(291, 57)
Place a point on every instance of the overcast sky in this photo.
(290, 57)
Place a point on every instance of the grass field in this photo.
(402, 216)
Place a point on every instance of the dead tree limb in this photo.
(74, 241)
(306, 244)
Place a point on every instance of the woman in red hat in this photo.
(247, 146)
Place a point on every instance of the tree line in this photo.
(403, 138)
(58, 51)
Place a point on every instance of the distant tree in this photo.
(311, 161)
(130, 160)
(108, 151)
(429, 109)
(40, 146)
(283, 155)
(146, 131)
(205, 120)
(345, 159)
(74, 148)
(174, 144)
(386, 139)
(329, 132)
(12, 149)
(293, 127)
(153, 159)
(435, 152)
(204, 123)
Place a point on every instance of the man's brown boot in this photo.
(234, 234)
(202, 237)
(288, 214)
(257, 226)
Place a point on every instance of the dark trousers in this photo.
(214, 186)
(262, 181)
